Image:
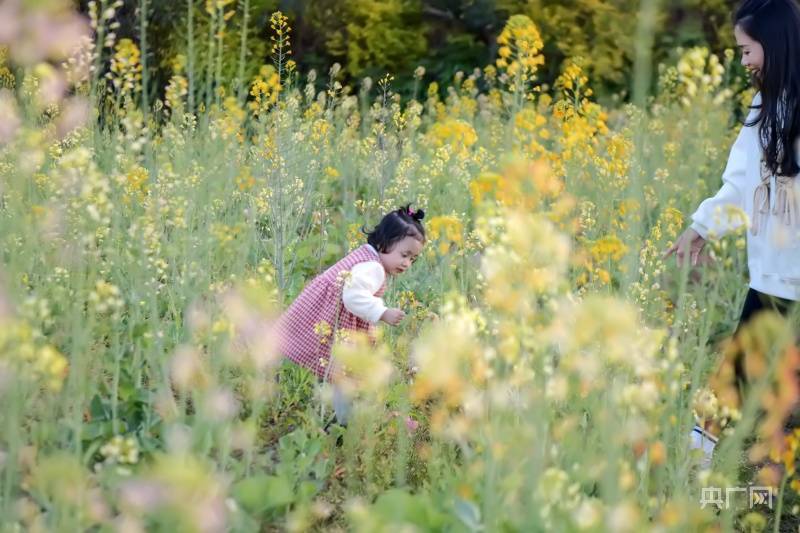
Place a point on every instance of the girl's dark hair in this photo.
(394, 226)
(775, 24)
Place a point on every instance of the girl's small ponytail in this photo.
(417, 215)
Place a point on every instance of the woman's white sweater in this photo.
(767, 205)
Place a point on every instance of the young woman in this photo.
(760, 177)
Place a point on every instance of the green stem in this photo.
(115, 386)
(98, 49)
(209, 71)
(143, 38)
(218, 69)
(240, 83)
(643, 61)
(779, 510)
(190, 66)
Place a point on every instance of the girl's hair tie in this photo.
(406, 210)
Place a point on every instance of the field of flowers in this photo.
(551, 363)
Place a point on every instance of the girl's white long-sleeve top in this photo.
(358, 293)
(770, 206)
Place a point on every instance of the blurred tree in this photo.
(373, 37)
(380, 36)
(601, 31)
(462, 36)
(693, 22)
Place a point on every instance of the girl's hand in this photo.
(687, 246)
(393, 316)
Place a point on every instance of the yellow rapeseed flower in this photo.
(446, 230)
(456, 134)
(520, 46)
(126, 68)
(608, 248)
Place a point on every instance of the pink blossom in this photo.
(37, 33)
(11, 121)
(73, 115)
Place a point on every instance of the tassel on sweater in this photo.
(785, 208)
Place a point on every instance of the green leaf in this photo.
(396, 506)
(469, 514)
(138, 331)
(307, 490)
(96, 429)
(126, 390)
(261, 493)
(97, 409)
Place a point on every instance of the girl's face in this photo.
(752, 51)
(403, 253)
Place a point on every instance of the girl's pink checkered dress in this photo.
(319, 302)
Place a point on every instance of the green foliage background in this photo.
(375, 37)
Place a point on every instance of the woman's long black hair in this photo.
(775, 24)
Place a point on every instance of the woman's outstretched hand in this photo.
(687, 246)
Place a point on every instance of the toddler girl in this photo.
(347, 296)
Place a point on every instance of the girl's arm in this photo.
(358, 294)
(714, 215)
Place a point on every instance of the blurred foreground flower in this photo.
(361, 365)
(11, 120)
(36, 31)
(178, 491)
(251, 308)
